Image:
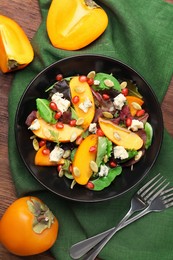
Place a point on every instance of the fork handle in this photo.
(81, 248)
(91, 255)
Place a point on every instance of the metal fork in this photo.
(160, 203)
(139, 201)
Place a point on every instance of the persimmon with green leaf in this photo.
(28, 227)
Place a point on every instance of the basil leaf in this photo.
(44, 110)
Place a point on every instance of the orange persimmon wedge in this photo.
(83, 91)
(16, 51)
(120, 136)
(51, 133)
(72, 25)
(82, 159)
(43, 159)
(130, 100)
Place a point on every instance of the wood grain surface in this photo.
(27, 14)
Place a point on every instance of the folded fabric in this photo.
(140, 34)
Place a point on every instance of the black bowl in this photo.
(47, 176)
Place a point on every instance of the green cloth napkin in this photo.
(140, 34)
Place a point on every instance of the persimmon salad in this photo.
(90, 127)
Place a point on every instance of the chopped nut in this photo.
(35, 144)
(76, 171)
(79, 89)
(107, 114)
(66, 154)
(91, 74)
(93, 166)
(73, 137)
(80, 121)
(138, 156)
(108, 83)
(72, 184)
(136, 106)
(123, 84)
(117, 136)
(105, 159)
(61, 173)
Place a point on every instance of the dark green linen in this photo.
(139, 34)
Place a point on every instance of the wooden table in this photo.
(24, 12)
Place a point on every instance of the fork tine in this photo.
(166, 191)
(167, 198)
(150, 197)
(147, 184)
(151, 193)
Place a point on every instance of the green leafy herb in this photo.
(44, 110)
(103, 182)
(149, 132)
(102, 77)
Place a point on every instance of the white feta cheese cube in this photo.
(119, 101)
(62, 103)
(103, 171)
(93, 128)
(120, 152)
(135, 125)
(35, 125)
(85, 105)
(56, 154)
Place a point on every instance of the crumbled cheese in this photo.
(62, 103)
(85, 105)
(135, 125)
(56, 154)
(119, 101)
(96, 82)
(93, 128)
(35, 125)
(120, 152)
(103, 171)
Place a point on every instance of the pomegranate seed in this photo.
(42, 143)
(106, 96)
(93, 149)
(46, 151)
(75, 99)
(59, 125)
(128, 121)
(90, 185)
(140, 112)
(90, 81)
(58, 115)
(83, 78)
(73, 122)
(99, 132)
(125, 91)
(59, 77)
(113, 164)
(53, 106)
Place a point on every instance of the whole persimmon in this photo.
(28, 227)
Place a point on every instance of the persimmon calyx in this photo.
(43, 217)
(13, 64)
(91, 4)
